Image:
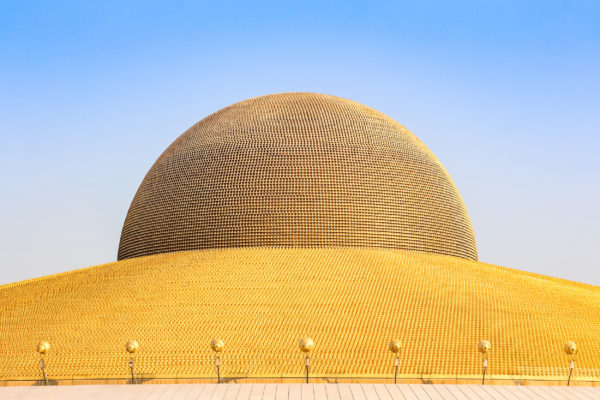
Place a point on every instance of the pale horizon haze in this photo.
(505, 93)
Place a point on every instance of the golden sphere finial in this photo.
(131, 346)
(217, 345)
(395, 346)
(484, 346)
(570, 348)
(306, 344)
(43, 347)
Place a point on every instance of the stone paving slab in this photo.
(298, 392)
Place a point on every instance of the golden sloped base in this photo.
(261, 301)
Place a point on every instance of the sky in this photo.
(505, 93)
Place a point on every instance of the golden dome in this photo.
(297, 170)
(279, 198)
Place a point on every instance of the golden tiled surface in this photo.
(261, 301)
(297, 170)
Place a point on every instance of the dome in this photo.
(297, 170)
(305, 216)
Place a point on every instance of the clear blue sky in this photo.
(506, 94)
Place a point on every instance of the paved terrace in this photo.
(300, 392)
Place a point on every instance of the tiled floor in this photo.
(299, 392)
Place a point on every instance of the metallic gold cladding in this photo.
(261, 301)
(297, 170)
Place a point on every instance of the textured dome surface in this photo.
(261, 301)
(297, 170)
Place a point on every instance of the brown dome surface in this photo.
(297, 170)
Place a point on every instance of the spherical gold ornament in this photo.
(131, 346)
(217, 345)
(43, 347)
(570, 348)
(484, 346)
(306, 344)
(395, 346)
